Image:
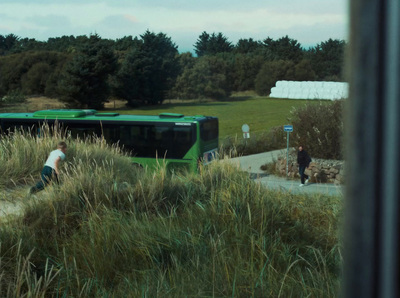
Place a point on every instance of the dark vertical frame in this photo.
(371, 259)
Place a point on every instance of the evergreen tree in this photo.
(284, 48)
(248, 46)
(148, 71)
(201, 45)
(327, 60)
(212, 44)
(8, 44)
(125, 43)
(85, 79)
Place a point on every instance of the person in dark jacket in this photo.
(303, 159)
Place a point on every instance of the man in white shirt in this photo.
(51, 167)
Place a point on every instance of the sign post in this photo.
(288, 129)
(246, 131)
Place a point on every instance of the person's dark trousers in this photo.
(47, 175)
(303, 176)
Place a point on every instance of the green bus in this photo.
(180, 141)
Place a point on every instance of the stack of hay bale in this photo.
(310, 90)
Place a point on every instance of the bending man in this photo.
(51, 168)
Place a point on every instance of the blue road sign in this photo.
(288, 128)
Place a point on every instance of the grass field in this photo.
(260, 113)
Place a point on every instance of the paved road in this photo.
(252, 163)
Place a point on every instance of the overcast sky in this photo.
(308, 21)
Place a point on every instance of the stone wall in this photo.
(320, 170)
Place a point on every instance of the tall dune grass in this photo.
(110, 229)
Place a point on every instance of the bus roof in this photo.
(65, 114)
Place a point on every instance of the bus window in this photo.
(138, 140)
(123, 135)
(174, 141)
(182, 141)
(27, 126)
(83, 130)
(151, 140)
(209, 130)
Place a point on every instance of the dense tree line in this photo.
(85, 71)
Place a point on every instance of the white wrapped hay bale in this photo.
(310, 90)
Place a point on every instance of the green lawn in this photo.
(260, 113)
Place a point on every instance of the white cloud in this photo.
(49, 21)
(127, 24)
(290, 6)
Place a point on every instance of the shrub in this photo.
(34, 81)
(14, 96)
(271, 72)
(257, 143)
(207, 78)
(320, 129)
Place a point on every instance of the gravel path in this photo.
(11, 201)
(252, 164)
(7, 208)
